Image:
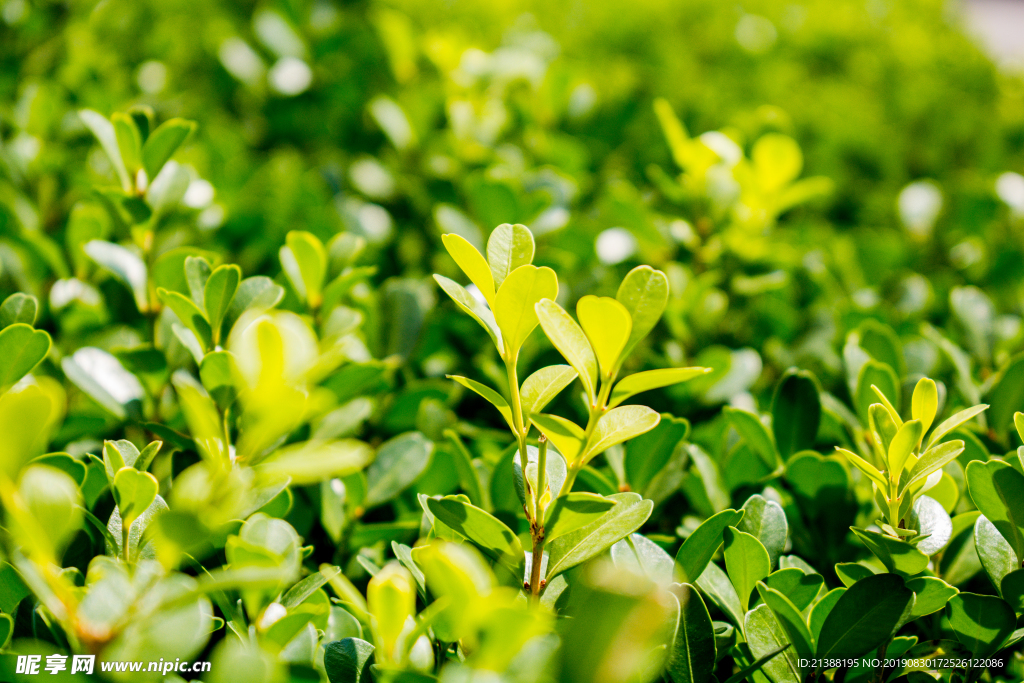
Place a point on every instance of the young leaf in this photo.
(472, 264)
(190, 314)
(568, 338)
(578, 546)
(304, 261)
(574, 510)
(746, 561)
(469, 305)
(104, 132)
(981, 622)
(925, 402)
(864, 616)
(126, 267)
(651, 379)
(692, 658)
(701, 545)
(903, 444)
(644, 293)
(21, 349)
(18, 308)
(197, 272)
(898, 556)
(865, 467)
(894, 414)
(134, 491)
(618, 425)
(514, 304)
(796, 412)
(162, 143)
(508, 248)
(998, 491)
(217, 295)
(490, 395)
(933, 460)
(607, 325)
(129, 141)
(951, 423)
(565, 435)
(543, 385)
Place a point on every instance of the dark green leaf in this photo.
(701, 545)
(981, 622)
(864, 616)
(796, 412)
(692, 658)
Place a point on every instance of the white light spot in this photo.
(290, 76)
(615, 245)
(274, 612)
(199, 194)
(919, 205)
(241, 61)
(107, 371)
(755, 34)
(371, 178)
(152, 77)
(1010, 188)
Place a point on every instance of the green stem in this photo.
(125, 530)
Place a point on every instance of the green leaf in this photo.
(981, 622)
(104, 132)
(758, 664)
(348, 661)
(508, 248)
(197, 272)
(865, 616)
(574, 510)
(931, 595)
(951, 423)
(258, 293)
(746, 561)
(766, 521)
(220, 290)
(565, 435)
(567, 336)
(651, 379)
(310, 462)
(607, 325)
(717, 586)
(515, 302)
(701, 545)
(304, 261)
(542, 386)
(789, 618)
(692, 658)
(489, 534)
(821, 610)
(873, 373)
(21, 349)
(932, 523)
(864, 466)
(471, 307)
(996, 555)
(472, 264)
(162, 143)
(190, 314)
(796, 412)
(998, 491)
(644, 293)
(102, 377)
(650, 457)
(1012, 590)
(490, 395)
(134, 492)
(618, 425)
(898, 556)
(755, 434)
(578, 546)
(798, 586)
(399, 462)
(126, 267)
(765, 635)
(933, 460)
(18, 308)
(221, 378)
(129, 141)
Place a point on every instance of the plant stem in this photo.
(125, 530)
(538, 557)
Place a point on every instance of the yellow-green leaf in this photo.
(568, 338)
(508, 248)
(515, 301)
(607, 324)
(190, 314)
(925, 403)
(472, 264)
(903, 444)
(490, 395)
(652, 379)
(620, 424)
(134, 491)
(304, 261)
(471, 307)
(644, 293)
(566, 435)
(893, 413)
(129, 141)
(543, 385)
(865, 467)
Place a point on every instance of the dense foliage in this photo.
(411, 341)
